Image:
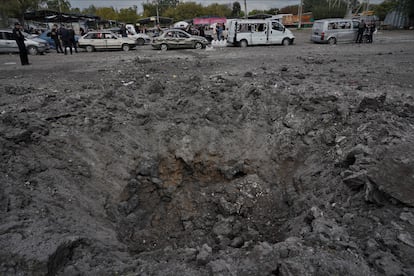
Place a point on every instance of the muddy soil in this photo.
(274, 160)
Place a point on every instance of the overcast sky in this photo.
(251, 4)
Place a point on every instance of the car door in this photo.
(98, 41)
(111, 41)
(170, 39)
(183, 40)
(276, 33)
(7, 42)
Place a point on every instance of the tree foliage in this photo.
(326, 8)
(183, 11)
(108, 13)
(236, 10)
(290, 9)
(58, 5)
(128, 15)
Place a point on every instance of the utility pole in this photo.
(300, 14)
(245, 8)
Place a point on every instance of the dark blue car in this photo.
(46, 36)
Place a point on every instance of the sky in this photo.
(251, 4)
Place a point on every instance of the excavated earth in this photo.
(271, 160)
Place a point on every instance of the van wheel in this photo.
(243, 44)
(32, 50)
(89, 49)
(125, 47)
(286, 42)
(332, 41)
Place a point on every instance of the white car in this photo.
(9, 45)
(105, 40)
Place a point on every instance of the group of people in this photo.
(63, 36)
(365, 30)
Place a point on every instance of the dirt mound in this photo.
(191, 163)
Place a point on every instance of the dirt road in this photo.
(266, 160)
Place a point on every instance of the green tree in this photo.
(290, 9)
(384, 8)
(128, 15)
(54, 5)
(91, 10)
(235, 12)
(108, 13)
(17, 8)
(218, 10)
(149, 10)
(183, 11)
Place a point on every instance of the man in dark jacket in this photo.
(66, 39)
(18, 36)
(55, 36)
(361, 29)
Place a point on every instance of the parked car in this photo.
(46, 36)
(105, 40)
(334, 30)
(139, 37)
(37, 39)
(178, 39)
(9, 45)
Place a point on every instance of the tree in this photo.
(128, 15)
(185, 11)
(58, 5)
(149, 9)
(17, 8)
(107, 13)
(218, 10)
(326, 8)
(235, 12)
(91, 10)
(290, 9)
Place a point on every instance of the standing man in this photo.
(66, 39)
(73, 39)
(361, 29)
(55, 36)
(123, 31)
(18, 36)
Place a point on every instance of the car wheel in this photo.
(140, 41)
(332, 41)
(164, 47)
(198, 45)
(243, 44)
(32, 50)
(125, 47)
(90, 49)
(286, 42)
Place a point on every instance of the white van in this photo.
(334, 30)
(245, 32)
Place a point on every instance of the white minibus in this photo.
(246, 32)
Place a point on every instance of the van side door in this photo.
(275, 33)
(345, 30)
(259, 33)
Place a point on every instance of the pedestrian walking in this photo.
(18, 36)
